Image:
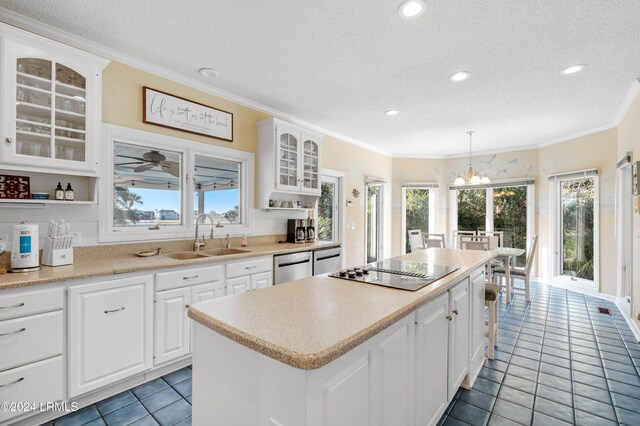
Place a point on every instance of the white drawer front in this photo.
(39, 382)
(28, 339)
(248, 267)
(187, 277)
(30, 302)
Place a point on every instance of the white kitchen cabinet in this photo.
(172, 326)
(288, 161)
(110, 332)
(478, 337)
(206, 291)
(459, 336)
(262, 280)
(52, 109)
(432, 358)
(238, 285)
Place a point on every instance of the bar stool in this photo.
(491, 302)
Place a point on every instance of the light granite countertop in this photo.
(310, 322)
(119, 259)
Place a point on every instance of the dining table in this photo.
(506, 254)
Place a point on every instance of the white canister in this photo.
(25, 249)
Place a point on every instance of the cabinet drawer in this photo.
(32, 338)
(39, 382)
(30, 302)
(248, 267)
(187, 277)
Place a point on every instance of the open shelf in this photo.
(289, 209)
(32, 201)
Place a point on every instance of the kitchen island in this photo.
(328, 351)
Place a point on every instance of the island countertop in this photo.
(310, 322)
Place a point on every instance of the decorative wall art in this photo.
(174, 112)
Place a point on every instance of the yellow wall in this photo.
(629, 141)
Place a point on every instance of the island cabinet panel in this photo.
(172, 326)
(110, 332)
(478, 337)
(432, 357)
(459, 336)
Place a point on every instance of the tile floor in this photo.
(164, 401)
(559, 361)
(547, 371)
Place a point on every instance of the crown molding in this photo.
(633, 92)
(45, 30)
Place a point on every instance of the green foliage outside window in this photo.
(417, 211)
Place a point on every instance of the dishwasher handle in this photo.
(282, 265)
(328, 257)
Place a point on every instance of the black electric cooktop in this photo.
(404, 275)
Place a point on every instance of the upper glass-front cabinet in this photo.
(51, 106)
(310, 166)
(288, 156)
(297, 162)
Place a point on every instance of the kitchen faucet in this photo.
(196, 243)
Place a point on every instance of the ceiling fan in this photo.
(150, 160)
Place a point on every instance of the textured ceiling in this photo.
(339, 64)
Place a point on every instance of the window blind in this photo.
(581, 174)
(419, 185)
(499, 184)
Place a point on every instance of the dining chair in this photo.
(434, 240)
(497, 238)
(415, 240)
(457, 234)
(475, 242)
(520, 273)
(491, 291)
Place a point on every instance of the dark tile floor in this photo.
(164, 401)
(559, 361)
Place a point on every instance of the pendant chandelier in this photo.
(472, 176)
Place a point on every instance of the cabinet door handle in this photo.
(187, 306)
(13, 332)
(12, 383)
(251, 267)
(8, 140)
(455, 311)
(108, 311)
(449, 317)
(17, 305)
(190, 278)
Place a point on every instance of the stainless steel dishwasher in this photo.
(327, 260)
(290, 267)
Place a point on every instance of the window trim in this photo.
(189, 149)
(433, 200)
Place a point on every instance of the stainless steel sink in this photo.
(224, 251)
(186, 255)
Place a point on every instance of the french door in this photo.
(575, 231)
(374, 219)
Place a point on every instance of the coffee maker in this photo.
(311, 231)
(297, 231)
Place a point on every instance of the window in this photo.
(500, 207)
(217, 189)
(155, 186)
(577, 200)
(472, 210)
(418, 210)
(328, 223)
(147, 186)
(374, 222)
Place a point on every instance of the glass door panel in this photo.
(510, 217)
(577, 233)
(374, 223)
(416, 211)
(288, 170)
(311, 166)
(472, 210)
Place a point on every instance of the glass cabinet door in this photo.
(288, 161)
(311, 166)
(50, 110)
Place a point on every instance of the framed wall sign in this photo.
(174, 112)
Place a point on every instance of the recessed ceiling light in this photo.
(392, 112)
(411, 9)
(573, 69)
(459, 76)
(208, 72)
